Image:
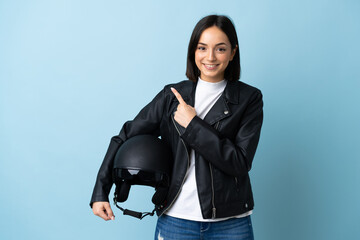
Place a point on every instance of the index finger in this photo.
(178, 96)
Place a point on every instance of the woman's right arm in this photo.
(146, 122)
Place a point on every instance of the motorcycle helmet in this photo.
(142, 160)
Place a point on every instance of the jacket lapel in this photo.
(221, 110)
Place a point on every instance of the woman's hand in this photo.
(184, 112)
(103, 210)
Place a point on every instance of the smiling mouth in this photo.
(210, 66)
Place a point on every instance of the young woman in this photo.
(212, 123)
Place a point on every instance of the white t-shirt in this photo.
(187, 205)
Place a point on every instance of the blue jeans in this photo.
(170, 228)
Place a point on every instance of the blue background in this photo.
(72, 72)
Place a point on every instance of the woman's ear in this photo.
(233, 52)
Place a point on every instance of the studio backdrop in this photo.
(72, 72)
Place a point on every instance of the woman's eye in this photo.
(201, 48)
(222, 49)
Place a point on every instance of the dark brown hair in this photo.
(232, 72)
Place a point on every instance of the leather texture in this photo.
(224, 142)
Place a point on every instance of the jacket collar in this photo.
(230, 92)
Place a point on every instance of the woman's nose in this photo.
(211, 55)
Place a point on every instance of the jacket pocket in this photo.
(226, 187)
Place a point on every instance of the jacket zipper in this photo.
(212, 193)
(212, 186)
(187, 153)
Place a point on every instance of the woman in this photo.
(212, 123)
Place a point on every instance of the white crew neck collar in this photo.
(210, 83)
(212, 86)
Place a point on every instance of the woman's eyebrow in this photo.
(222, 43)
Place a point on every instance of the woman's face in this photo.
(213, 53)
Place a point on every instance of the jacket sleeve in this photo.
(232, 157)
(146, 122)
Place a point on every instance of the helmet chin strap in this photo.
(139, 215)
(121, 194)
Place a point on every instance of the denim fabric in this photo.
(170, 228)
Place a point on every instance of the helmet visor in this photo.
(139, 177)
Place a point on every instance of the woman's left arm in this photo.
(232, 157)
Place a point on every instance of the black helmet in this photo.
(142, 160)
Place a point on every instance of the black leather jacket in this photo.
(224, 142)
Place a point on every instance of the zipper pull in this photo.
(213, 213)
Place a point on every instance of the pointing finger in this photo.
(178, 96)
